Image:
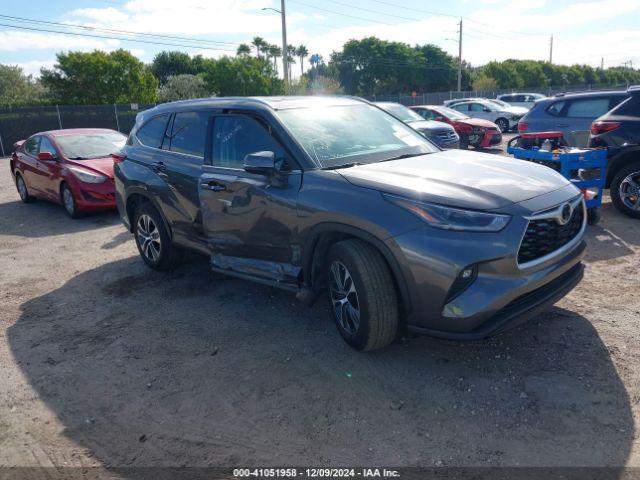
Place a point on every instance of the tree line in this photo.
(366, 67)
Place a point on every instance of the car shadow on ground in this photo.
(44, 219)
(615, 236)
(194, 368)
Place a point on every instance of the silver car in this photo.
(505, 117)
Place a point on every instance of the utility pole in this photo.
(459, 57)
(551, 50)
(285, 53)
(602, 63)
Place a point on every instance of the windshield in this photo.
(400, 111)
(345, 134)
(450, 113)
(500, 103)
(90, 145)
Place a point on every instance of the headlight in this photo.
(448, 218)
(87, 176)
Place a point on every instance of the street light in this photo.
(285, 54)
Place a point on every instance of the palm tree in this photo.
(291, 57)
(302, 52)
(275, 52)
(243, 49)
(259, 43)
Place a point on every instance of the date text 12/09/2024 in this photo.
(315, 473)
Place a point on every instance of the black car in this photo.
(619, 131)
(332, 194)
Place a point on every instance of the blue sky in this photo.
(584, 31)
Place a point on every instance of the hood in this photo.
(102, 165)
(458, 178)
(478, 122)
(429, 125)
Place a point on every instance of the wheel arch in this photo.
(621, 160)
(323, 236)
(138, 196)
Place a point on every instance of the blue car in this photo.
(570, 113)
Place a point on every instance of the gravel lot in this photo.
(107, 363)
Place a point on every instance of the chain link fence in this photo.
(22, 122)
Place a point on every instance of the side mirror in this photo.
(260, 163)
(46, 156)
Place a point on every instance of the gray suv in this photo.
(332, 195)
(570, 113)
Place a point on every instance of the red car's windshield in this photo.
(90, 145)
(450, 113)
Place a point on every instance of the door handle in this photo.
(213, 186)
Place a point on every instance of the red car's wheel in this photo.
(22, 189)
(69, 202)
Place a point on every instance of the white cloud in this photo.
(13, 41)
(33, 67)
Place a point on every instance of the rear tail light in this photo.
(522, 127)
(118, 158)
(602, 127)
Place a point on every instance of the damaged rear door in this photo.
(249, 219)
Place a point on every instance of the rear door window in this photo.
(189, 133)
(476, 107)
(588, 107)
(31, 145)
(461, 107)
(152, 133)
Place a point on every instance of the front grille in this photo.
(446, 135)
(546, 235)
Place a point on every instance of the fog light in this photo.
(462, 282)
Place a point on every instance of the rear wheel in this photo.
(363, 297)
(69, 202)
(22, 189)
(153, 240)
(503, 124)
(625, 190)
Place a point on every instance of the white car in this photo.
(521, 99)
(505, 117)
(500, 103)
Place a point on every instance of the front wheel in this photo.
(153, 240)
(69, 202)
(363, 297)
(464, 142)
(625, 190)
(503, 124)
(22, 189)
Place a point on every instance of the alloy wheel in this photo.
(630, 191)
(148, 237)
(344, 298)
(22, 188)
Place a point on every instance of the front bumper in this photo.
(94, 196)
(503, 293)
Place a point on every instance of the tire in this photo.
(593, 216)
(625, 190)
(464, 142)
(503, 124)
(69, 202)
(153, 240)
(23, 191)
(362, 295)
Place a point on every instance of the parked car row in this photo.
(331, 195)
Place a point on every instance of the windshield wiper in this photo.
(344, 165)
(404, 155)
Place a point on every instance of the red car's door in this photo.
(48, 171)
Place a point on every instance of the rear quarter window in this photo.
(556, 108)
(630, 107)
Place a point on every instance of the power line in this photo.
(397, 5)
(326, 10)
(125, 32)
(114, 38)
(377, 12)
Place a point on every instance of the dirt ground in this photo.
(106, 363)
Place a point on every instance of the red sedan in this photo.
(475, 132)
(71, 167)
